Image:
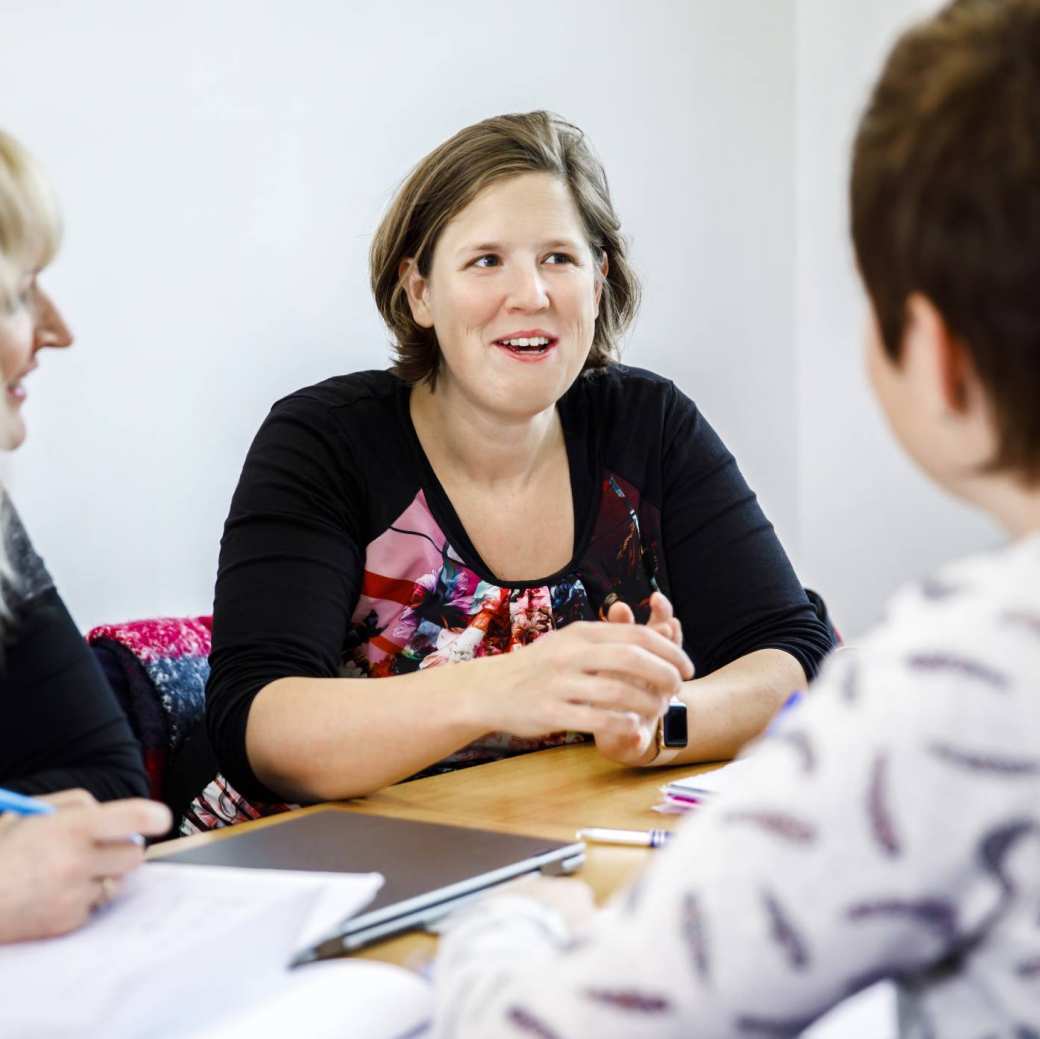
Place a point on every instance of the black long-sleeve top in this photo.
(342, 554)
(61, 724)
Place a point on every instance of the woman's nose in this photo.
(51, 330)
(527, 290)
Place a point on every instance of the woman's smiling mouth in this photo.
(15, 388)
(528, 345)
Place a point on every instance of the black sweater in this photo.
(342, 555)
(62, 726)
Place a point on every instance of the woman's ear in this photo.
(417, 289)
(939, 359)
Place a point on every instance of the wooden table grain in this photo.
(549, 793)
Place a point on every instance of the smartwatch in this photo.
(672, 732)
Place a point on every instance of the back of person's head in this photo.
(30, 229)
(450, 178)
(945, 201)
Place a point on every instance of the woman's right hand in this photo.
(56, 868)
(587, 677)
(636, 747)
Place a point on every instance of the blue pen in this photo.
(22, 805)
(792, 701)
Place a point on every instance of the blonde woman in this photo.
(62, 727)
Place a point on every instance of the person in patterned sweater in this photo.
(889, 827)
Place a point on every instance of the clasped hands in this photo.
(613, 680)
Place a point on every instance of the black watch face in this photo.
(673, 726)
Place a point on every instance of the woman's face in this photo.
(29, 324)
(513, 293)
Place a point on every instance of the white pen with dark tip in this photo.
(636, 838)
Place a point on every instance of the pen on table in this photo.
(683, 798)
(792, 701)
(635, 838)
(20, 804)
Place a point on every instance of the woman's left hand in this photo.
(637, 746)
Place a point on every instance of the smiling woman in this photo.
(62, 727)
(507, 498)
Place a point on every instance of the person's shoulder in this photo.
(359, 404)
(25, 575)
(621, 378)
(620, 387)
(343, 392)
(984, 588)
(959, 651)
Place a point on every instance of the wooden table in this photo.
(550, 793)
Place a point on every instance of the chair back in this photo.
(158, 669)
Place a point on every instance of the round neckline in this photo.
(583, 470)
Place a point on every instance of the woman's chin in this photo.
(513, 390)
(12, 431)
(531, 388)
(519, 401)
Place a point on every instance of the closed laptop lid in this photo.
(423, 863)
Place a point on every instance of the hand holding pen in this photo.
(64, 855)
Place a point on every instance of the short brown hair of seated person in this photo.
(449, 178)
(945, 200)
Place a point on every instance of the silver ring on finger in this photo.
(107, 891)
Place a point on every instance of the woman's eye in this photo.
(557, 258)
(490, 260)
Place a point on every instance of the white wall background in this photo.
(223, 165)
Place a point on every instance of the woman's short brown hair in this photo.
(449, 178)
(945, 200)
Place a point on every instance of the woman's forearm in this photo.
(320, 739)
(733, 705)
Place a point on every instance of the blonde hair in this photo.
(449, 178)
(30, 233)
(30, 227)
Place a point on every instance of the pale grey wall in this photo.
(222, 166)
(868, 520)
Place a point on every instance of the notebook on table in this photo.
(429, 868)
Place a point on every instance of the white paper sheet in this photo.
(713, 782)
(870, 1014)
(337, 999)
(182, 946)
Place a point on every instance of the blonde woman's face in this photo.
(29, 324)
(512, 295)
